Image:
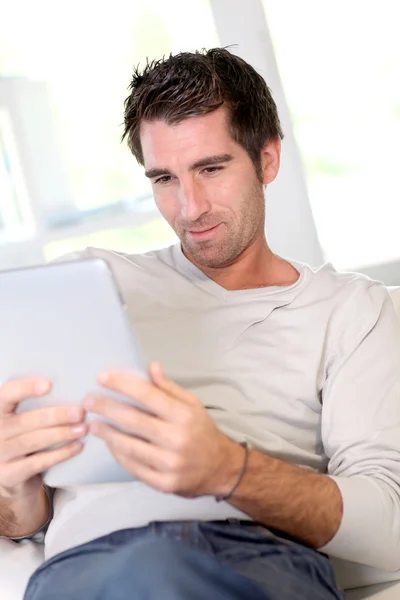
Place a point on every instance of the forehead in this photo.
(188, 141)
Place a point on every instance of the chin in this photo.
(210, 258)
(210, 262)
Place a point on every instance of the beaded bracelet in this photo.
(242, 472)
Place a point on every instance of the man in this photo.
(274, 392)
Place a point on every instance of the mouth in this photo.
(204, 233)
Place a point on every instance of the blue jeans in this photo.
(216, 560)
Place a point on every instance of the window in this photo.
(16, 217)
(340, 65)
(64, 72)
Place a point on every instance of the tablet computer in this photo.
(66, 322)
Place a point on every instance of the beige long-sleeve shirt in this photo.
(308, 373)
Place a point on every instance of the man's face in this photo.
(205, 185)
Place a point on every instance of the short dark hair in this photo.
(195, 83)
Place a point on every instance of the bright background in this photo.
(66, 181)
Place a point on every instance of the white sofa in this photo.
(18, 561)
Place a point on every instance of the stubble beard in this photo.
(235, 236)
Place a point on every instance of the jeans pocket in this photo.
(235, 542)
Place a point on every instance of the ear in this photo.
(270, 160)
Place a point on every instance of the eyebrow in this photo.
(207, 161)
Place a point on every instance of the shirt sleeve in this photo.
(73, 255)
(361, 429)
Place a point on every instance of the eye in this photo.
(163, 180)
(212, 170)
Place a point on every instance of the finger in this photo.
(158, 480)
(22, 470)
(40, 418)
(131, 419)
(144, 392)
(133, 448)
(37, 441)
(172, 388)
(14, 391)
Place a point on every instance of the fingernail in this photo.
(42, 386)
(75, 414)
(79, 429)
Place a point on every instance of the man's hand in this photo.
(181, 450)
(24, 438)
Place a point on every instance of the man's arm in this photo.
(361, 431)
(24, 516)
(305, 505)
(353, 512)
(25, 439)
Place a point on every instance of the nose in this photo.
(193, 201)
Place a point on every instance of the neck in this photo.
(257, 266)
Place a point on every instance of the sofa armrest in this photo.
(17, 563)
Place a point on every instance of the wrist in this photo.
(21, 493)
(231, 471)
(24, 515)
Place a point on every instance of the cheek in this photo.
(225, 193)
(167, 204)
